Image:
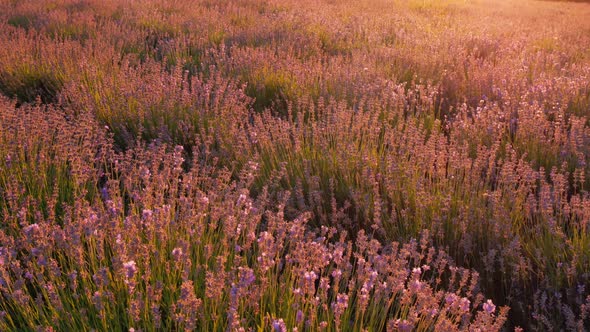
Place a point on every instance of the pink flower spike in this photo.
(489, 307)
(130, 269)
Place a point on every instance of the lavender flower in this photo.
(246, 277)
(177, 253)
(404, 326)
(279, 325)
(31, 229)
(130, 269)
(464, 304)
(299, 317)
(489, 307)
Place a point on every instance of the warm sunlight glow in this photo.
(294, 165)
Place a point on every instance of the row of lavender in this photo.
(159, 247)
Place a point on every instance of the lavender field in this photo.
(294, 165)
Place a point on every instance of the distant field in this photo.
(294, 165)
